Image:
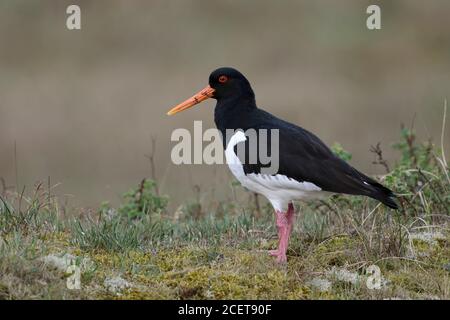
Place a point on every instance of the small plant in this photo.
(413, 154)
(19, 212)
(420, 178)
(341, 152)
(142, 201)
(108, 234)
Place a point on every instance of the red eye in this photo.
(223, 79)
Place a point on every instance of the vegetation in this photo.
(142, 251)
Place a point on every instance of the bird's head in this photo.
(224, 83)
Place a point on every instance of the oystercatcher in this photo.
(307, 168)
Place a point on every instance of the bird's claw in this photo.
(280, 256)
(274, 252)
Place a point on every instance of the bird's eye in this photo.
(223, 79)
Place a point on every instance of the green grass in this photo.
(222, 253)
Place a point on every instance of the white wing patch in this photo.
(279, 189)
(281, 181)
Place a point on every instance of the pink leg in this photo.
(285, 221)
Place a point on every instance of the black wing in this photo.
(304, 157)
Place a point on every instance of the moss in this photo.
(322, 296)
(154, 294)
(105, 259)
(56, 241)
(406, 280)
(176, 259)
(55, 237)
(4, 292)
(433, 254)
(336, 251)
(195, 271)
(337, 243)
(422, 246)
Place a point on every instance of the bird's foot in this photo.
(274, 252)
(280, 256)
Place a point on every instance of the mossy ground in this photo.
(219, 250)
(221, 271)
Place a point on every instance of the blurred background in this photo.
(82, 106)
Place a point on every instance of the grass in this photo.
(141, 251)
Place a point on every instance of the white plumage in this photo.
(279, 189)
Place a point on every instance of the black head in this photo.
(228, 82)
(224, 84)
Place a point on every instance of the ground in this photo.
(238, 268)
(342, 248)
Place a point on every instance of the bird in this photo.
(307, 169)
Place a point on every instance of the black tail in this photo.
(383, 194)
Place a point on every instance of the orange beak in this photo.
(206, 93)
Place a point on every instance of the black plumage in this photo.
(302, 155)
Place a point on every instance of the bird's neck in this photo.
(233, 112)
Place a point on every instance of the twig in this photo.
(20, 201)
(370, 213)
(442, 134)
(49, 192)
(379, 157)
(444, 168)
(151, 159)
(140, 195)
(410, 138)
(443, 161)
(16, 170)
(5, 187)
(257, 206)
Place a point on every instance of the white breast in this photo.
(279, 189)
